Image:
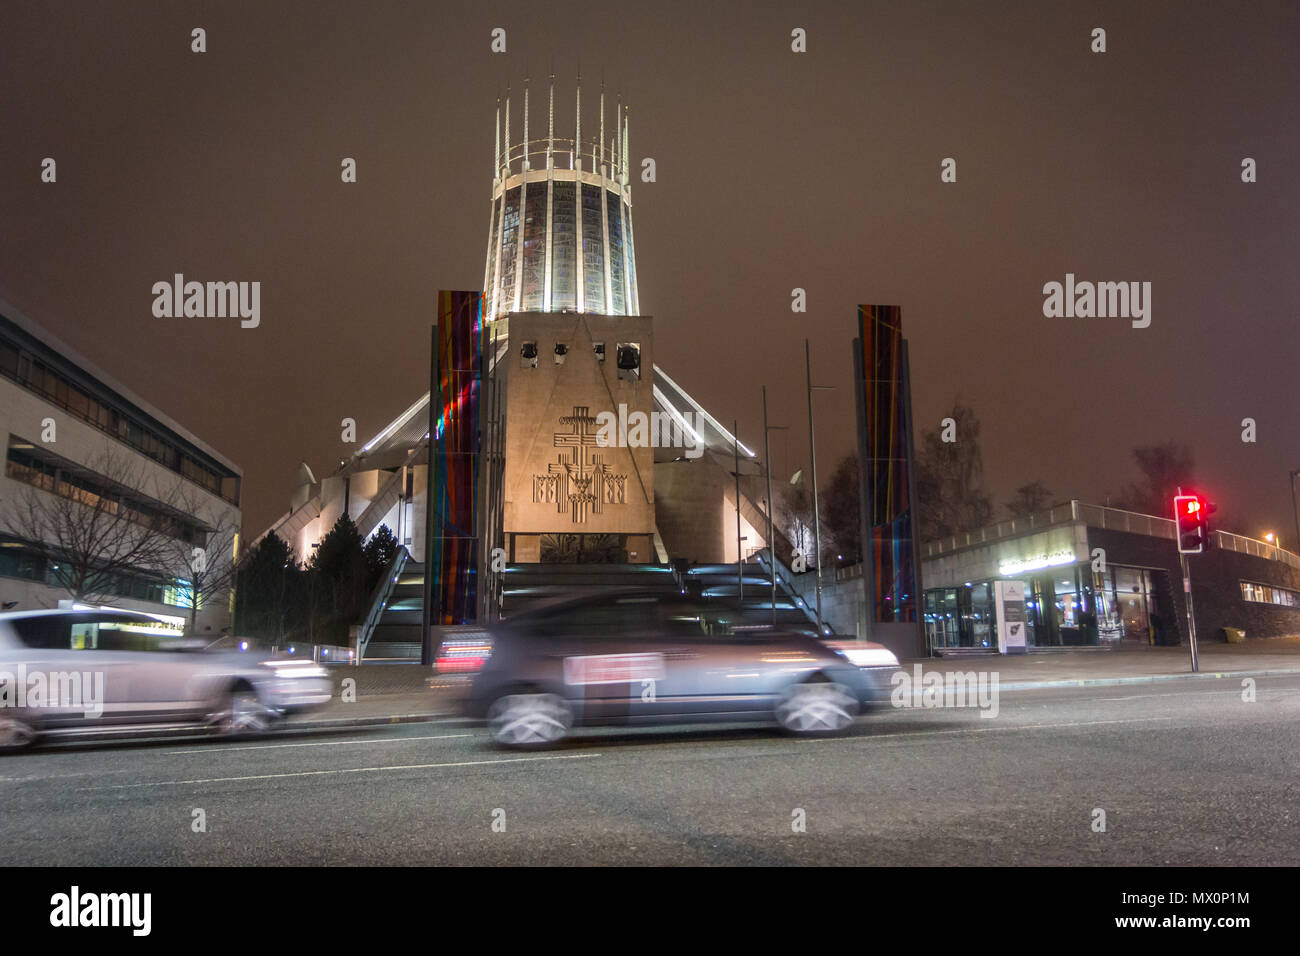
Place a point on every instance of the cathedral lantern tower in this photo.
(561, 299)
(561, 224)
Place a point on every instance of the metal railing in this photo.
(1260, 549)
(321, 653)
(847, 572)
(565, 150)
(1010, 528)
(1116, 519)
(379, 602)
(785, 581)
(1106, 518)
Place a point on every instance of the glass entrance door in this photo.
(1126, 610)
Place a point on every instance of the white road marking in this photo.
(980, 730)
(1226, 692)
(1182, 693)
(62, 776)
(323, 773)
(326, 743)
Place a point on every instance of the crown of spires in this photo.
(505, 159)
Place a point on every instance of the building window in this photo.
(619, 305)
(509, 249)
(18, 559)
(98, 494)
(60, 390)
(534, 249)
(8, 360)
(490, 287)
(564, 243)
(1268, 594)
(593, 250)
(631, 258)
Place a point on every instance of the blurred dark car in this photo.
(642, 658)
(67, 672)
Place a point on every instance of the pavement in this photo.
(373, 694)
(411, 693)
(1101, 667)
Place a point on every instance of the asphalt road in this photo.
(1186, 772)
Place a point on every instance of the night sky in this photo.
(775, 170)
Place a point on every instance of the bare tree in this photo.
(841, 507)
(794, 515)
(1164, 467)
(94, 524)
(1029, 498)
(206, 557)
(950, 478)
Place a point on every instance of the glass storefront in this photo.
(1129, 606)
(1070, 606)
(1063, 612)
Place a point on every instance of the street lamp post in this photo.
(812, 461)
(429, 616)
(767, 467)
(1295, 513)
(740, 540)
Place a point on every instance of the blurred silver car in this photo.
(68, 672)
(648, 657)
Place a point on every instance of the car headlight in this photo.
(861, 655)
(295, 669)
(871, 657)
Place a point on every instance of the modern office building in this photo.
(1098, 576)
(104, 498)
(1091, 576)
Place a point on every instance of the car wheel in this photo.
(242, 714)
(14, 733)
(816, 707)
(529, 720)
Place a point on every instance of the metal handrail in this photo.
(1260, 549)
(1105, 517)
(1008, 528)
(563, 147)
(783, 577)
(379, 602)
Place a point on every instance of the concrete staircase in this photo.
(528, 583)
(723, 580)
(397, 635)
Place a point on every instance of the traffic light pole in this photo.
(1191, 614)
(430, 615)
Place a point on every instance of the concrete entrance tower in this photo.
(561, 292)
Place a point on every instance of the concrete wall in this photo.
(361, 488)
(844, 608)
(1216, 595)
(695, 503)
(1216, 584)
(538, 398)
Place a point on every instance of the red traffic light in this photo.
(1192, 518)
